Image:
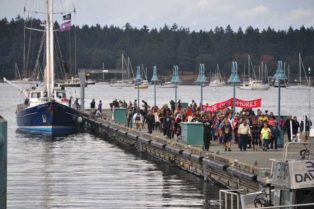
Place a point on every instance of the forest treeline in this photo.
(163, 47)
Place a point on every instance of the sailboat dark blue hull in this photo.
(51, 118)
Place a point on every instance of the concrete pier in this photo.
(235, 170)
(222, 169)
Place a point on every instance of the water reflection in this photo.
(82, 171)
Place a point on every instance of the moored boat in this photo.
(167, 85)
(254, 85)
(143, 85)
(46, 109)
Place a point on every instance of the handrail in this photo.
(232, 193)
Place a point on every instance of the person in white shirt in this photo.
(244, 131)
(138, 120)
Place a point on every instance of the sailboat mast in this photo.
(122, 66)
(248, 65)
(300, 69)
(49, 50)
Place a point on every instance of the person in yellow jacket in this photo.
(265, 136)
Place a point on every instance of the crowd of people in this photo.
(248, 129)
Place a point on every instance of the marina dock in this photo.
(234, 170)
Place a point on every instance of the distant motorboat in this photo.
(254, 85)
(143, 85)
(167, 85)
(121, 83)
(282, 83)
(90, 82)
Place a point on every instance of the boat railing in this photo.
(304, 149)
(229, 199)
(294, 206)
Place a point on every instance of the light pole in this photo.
(138, 82)
(201, 80)
(175, 80)
(154, 79)
(279, 76)
(234, 79)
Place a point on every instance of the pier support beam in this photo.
(3, 163)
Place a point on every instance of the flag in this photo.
(67, 17)
(66, 26)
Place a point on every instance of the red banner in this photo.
(228, 103)
(249, 104)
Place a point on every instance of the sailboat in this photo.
(216, 80)
(299, 83)
(255, 84)
(19, 79)
(124, 82)
(46, 109)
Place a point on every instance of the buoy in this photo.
(79, 120)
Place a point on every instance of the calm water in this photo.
(82, 171)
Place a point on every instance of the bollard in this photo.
(3, 163)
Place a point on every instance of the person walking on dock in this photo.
(150, 120)
(138, 120)
(288, 126)
(255, 133)
(295, 126)
(92, 106)
(100, 106)
(77, 104)
(167, 124)
(275, 135)
(208, 124)
(226, 131)
(130, 115)
(244, 131)
(265, 136)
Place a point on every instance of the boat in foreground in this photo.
(46, 109)
(289, 183)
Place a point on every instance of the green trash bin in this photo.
(184, 104)
(192, 133)
(120, 115)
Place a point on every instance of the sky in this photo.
(194, 14)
